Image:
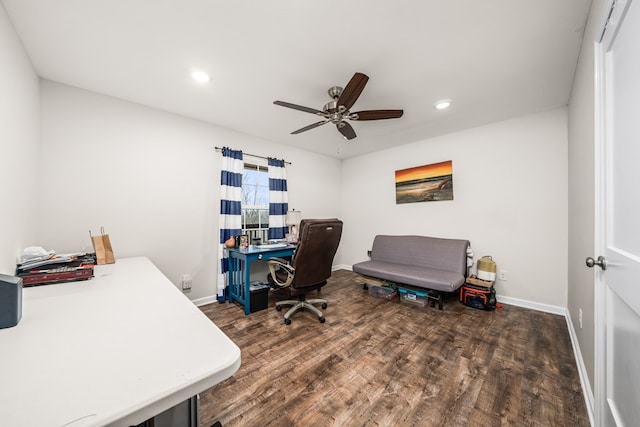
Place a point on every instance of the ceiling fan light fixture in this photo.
(200, 76)
(442, 104)
(338, 109)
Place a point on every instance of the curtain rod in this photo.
(253, 155)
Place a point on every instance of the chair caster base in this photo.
(302, 305)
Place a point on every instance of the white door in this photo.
(618, 195)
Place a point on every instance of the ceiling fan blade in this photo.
(346, 130)
(377, 114)
(299, 107)
(311, 126)
(353, 90)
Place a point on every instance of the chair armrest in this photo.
(278, 263)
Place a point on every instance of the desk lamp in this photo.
(293, 219)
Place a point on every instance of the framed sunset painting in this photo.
(428, 183)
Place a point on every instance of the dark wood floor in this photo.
(385, 363)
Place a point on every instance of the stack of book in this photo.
(40, 267)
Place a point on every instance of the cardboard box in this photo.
(479, 282)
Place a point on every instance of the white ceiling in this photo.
(495, 58)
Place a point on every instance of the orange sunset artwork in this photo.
(425, 183)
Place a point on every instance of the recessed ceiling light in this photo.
(442, 104)
(200, 76)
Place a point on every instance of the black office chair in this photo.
(311, 265)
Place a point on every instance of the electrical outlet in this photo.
(502, 275)
(580, 317)
(186, 282)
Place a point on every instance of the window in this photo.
(255, 202)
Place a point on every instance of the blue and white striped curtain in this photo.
(278, 200)
(230, 210)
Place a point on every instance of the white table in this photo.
(114, 350)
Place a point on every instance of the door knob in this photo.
(600, 262)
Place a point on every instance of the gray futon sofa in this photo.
(435, 264)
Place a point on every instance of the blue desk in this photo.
(240, 270)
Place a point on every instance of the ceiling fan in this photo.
(338, 110)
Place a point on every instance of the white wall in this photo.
(510, 200)
(19, 134)
(581, 190)
(152, 180)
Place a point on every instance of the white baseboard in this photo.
(582, 370)
(553, 309)
(205, 300)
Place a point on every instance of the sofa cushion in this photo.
(423, 277)
(422, 251)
